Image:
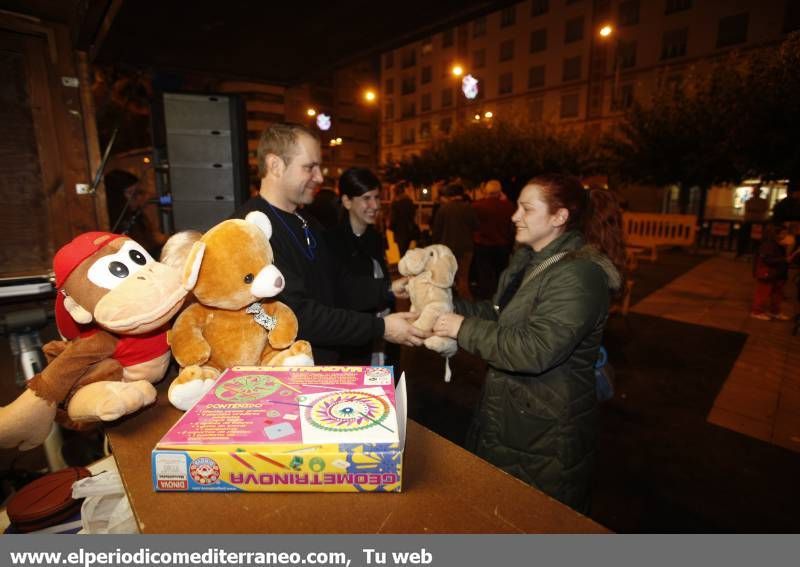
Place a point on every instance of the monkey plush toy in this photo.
(112, 306)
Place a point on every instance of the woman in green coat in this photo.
(541, 335)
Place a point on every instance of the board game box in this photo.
(316, 428)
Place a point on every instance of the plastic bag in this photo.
(106, 509)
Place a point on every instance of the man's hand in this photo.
(448, 325)
(398, 329)
(399, 287)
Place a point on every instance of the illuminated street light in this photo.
(369, 95)
(477, 117)
(311, 112)
(338, 141)
(457, 70)
(488, 114)
(605, 33)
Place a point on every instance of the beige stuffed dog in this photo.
(431, 271)
(229, 270)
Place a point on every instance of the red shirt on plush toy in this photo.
(113, 302)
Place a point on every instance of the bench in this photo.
(648, 231)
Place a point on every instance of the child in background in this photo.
(771, 270)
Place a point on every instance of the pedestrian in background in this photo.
(453, 226)
(771, 271)
(402, 217)
(493, 238)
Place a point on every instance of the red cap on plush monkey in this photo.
(113, 282)
(65, 261)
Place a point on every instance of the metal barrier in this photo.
(729, 235)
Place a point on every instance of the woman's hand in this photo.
(399, 288)
(448, 325)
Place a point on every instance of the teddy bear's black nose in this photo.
(279, 282)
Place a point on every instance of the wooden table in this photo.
(445, 490)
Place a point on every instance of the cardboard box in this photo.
(262, 429)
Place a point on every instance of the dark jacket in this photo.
(312, 280)
(786, 210)
(536, 418)
(453, 226)
(355, 255)
(362, 291)
(402, 219)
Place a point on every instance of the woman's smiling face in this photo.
(363, 209)
(536, 225)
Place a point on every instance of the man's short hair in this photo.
(280, 140)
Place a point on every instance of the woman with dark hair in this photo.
(359, 250)
(541, 337)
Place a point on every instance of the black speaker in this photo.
(206, 145)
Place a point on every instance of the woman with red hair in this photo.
(541, 336)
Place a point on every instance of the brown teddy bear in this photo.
(431, 271)
(229, 271)
(113, 303)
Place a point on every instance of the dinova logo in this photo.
(204, 471)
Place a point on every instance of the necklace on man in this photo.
(311, 242)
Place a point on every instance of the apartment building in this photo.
(546, 61)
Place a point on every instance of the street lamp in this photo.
(606, 32)
(311, 112)
(370, 96)
(457, 70)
